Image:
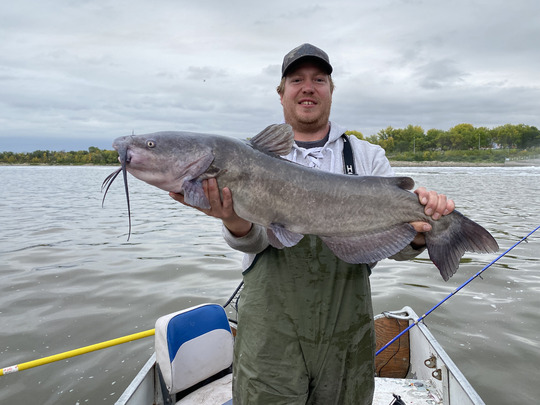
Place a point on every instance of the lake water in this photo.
(69, 278)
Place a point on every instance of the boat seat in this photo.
(193, 345)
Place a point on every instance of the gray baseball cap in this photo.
(305, 51)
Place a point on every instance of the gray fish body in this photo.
(362, 219)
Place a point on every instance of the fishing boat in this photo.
(193, 359)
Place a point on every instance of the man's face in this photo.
(307, 97)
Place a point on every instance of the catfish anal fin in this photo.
(371, 247)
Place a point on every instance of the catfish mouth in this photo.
(124, 158)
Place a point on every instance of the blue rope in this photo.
(453, 293)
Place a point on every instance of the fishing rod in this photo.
(454, 293)
(76, 352)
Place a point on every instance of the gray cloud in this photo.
(88, 71)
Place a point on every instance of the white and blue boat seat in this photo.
(193, 345)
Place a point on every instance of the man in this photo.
(305, 332)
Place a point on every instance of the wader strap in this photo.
(348, 158)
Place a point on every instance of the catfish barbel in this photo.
(362, 219)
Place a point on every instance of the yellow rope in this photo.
(76, 352)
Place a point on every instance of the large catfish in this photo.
(362, 219)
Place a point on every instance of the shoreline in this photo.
(508, 163)
(402, 163)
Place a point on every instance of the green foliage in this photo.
(94, 156)
(463, 142)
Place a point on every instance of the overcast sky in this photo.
(79, 73)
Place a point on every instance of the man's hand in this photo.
(222, 209)
(436, 205)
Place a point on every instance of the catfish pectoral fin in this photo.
(194, 194)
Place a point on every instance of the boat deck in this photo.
(418, 392)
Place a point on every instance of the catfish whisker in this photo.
(107, 184)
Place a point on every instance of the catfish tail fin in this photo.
(451, 237)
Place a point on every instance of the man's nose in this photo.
(307, 87)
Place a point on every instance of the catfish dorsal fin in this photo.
(277, 139)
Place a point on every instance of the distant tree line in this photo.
(463, 142)
(92, 156)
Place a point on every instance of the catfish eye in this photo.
(150, 143)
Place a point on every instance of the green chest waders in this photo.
(305, 329)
